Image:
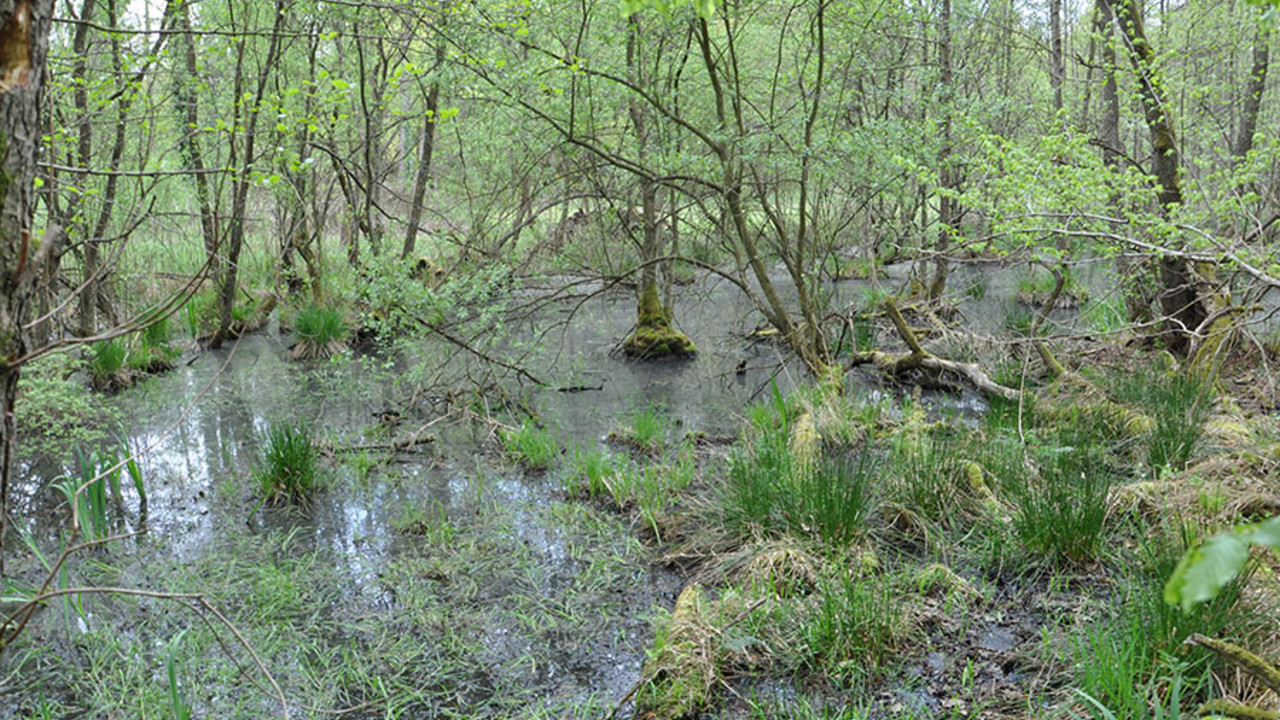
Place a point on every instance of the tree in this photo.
(24, 46)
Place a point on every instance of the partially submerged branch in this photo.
(920, 359)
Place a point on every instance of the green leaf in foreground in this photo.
(1205, 570)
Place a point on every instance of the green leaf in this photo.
(1204, 571)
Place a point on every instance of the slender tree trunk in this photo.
(83, 158)
(1179, 299)
(1057, 68)
(239, 200)
(948, 213)
(426, 153)
(24, 43)
(1253, 93)
(189, 99)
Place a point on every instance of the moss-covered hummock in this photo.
(654, 337)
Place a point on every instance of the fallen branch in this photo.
(920, 359)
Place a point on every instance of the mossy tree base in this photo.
(651, 343)
(654, 337)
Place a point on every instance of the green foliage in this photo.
(1204, 571)
(288, 464)
(55, 413)
(533, 447)
(106, 359)
(703, 8)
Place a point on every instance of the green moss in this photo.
(650, 343)
(654, 337)
(651, 312)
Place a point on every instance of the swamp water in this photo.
(443, 582)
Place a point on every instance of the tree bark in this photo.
(1179, 299)
(189, 102)
(427, 151)
(1057, 68)
(948, 215)
(1253, 93)
(239, 200)
(24, 42)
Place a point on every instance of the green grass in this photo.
(1107, 315)
(835, 500)
(321, 332)
(925, 473)
(767, 492)
(589, 472)
(1180, 406)
(107, 359)
(533, 447)
(1134, 662)
(1061, 512)
(288, 466)
(856, 626)
(649, 428)
(320, 325)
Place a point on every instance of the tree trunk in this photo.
(188, 100)
(1179, 299)
(1253, 93)
(83, 158)
(948, 213)
(1057, 68)
(239, 200)
(428, 142)
(24, 42)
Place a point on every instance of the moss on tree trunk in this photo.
(654, 337)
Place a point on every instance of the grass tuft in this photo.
(322, 333)
(1062, 511)
(533, 447)
(288, 469)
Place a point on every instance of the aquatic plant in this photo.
(107, 364)
(533, 447)
(288, 465)
(645, 430)
(96, 486)
(592, 466)
(321, 333)
(179, 706)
